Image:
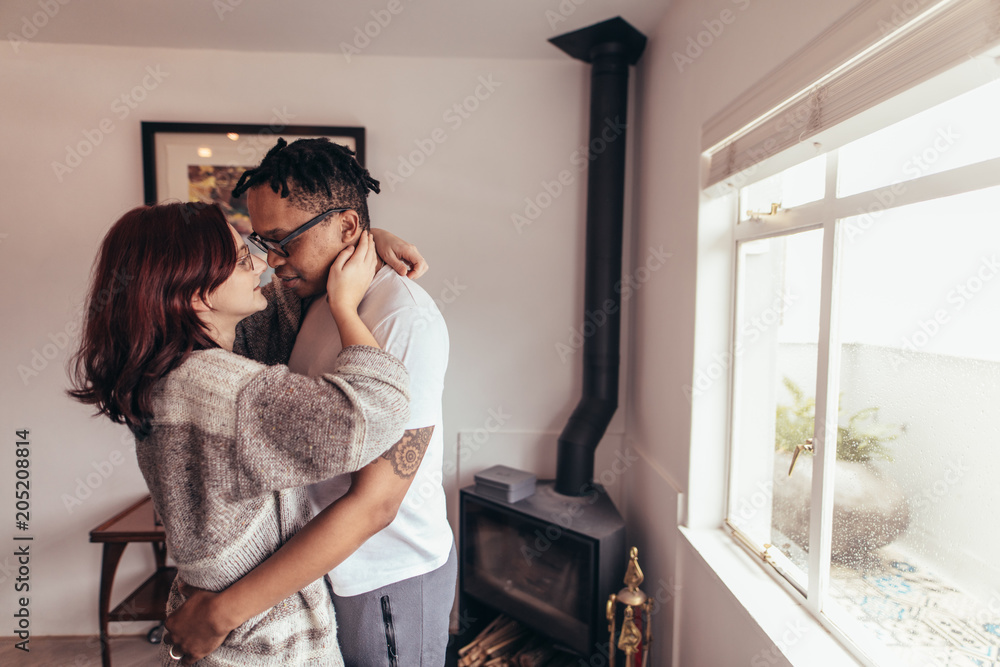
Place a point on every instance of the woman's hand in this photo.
(351, 274)
(403, 257)
(196, 628)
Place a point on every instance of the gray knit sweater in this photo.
(233, 443)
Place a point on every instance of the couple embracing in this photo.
(285, 432)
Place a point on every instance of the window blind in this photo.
(909, 50)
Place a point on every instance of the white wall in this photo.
(667, 349)
(508, 297)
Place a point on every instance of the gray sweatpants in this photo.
(400, 625)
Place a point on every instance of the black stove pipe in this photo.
(610, 46)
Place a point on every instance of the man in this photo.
(393, 596)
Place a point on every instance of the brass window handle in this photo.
(756, 214)
(806, 446)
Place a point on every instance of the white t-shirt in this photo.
(407, 324)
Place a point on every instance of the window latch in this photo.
(799, 448)
(756, 215)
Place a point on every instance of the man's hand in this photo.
(403, 257)
(195, 629)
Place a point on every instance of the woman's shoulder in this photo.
(216, 366)
(207, 379)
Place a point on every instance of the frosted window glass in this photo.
(915, 492)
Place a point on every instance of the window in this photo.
(867, 316)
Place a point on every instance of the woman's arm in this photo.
(292, 430)
(402, 257)
(204, 621)
(350, 276)
(289, 426)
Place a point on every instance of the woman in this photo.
(225, 443)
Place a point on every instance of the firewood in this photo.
(506, 633)
(485, 631)
(508, 643)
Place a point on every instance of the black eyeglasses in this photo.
(278, 247)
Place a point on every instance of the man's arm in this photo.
(404, 459)
(202, 623)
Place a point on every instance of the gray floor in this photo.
(126, 651)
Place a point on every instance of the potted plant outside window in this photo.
(870, 510)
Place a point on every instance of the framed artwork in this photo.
(203, 161)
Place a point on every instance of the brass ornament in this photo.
(637, 605)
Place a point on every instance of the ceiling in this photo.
(428, 28)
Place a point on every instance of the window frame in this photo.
(826, 214)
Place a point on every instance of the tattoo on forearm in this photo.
(406, 455)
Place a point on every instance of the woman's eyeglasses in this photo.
(245, 260)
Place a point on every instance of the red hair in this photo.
(140, 323)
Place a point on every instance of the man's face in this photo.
(309, 255)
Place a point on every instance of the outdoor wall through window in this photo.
(867, 316)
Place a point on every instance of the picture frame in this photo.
(203, 161)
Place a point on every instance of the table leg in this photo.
(109, 565)
(160, 554)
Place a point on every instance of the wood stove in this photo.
(549, 561)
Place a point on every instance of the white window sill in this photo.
(799, 637)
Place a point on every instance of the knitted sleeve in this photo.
(293, 430)
(268, 336)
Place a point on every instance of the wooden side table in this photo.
(149, 601)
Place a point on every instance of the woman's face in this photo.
(240, 295)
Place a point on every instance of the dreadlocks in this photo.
(322, 174)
